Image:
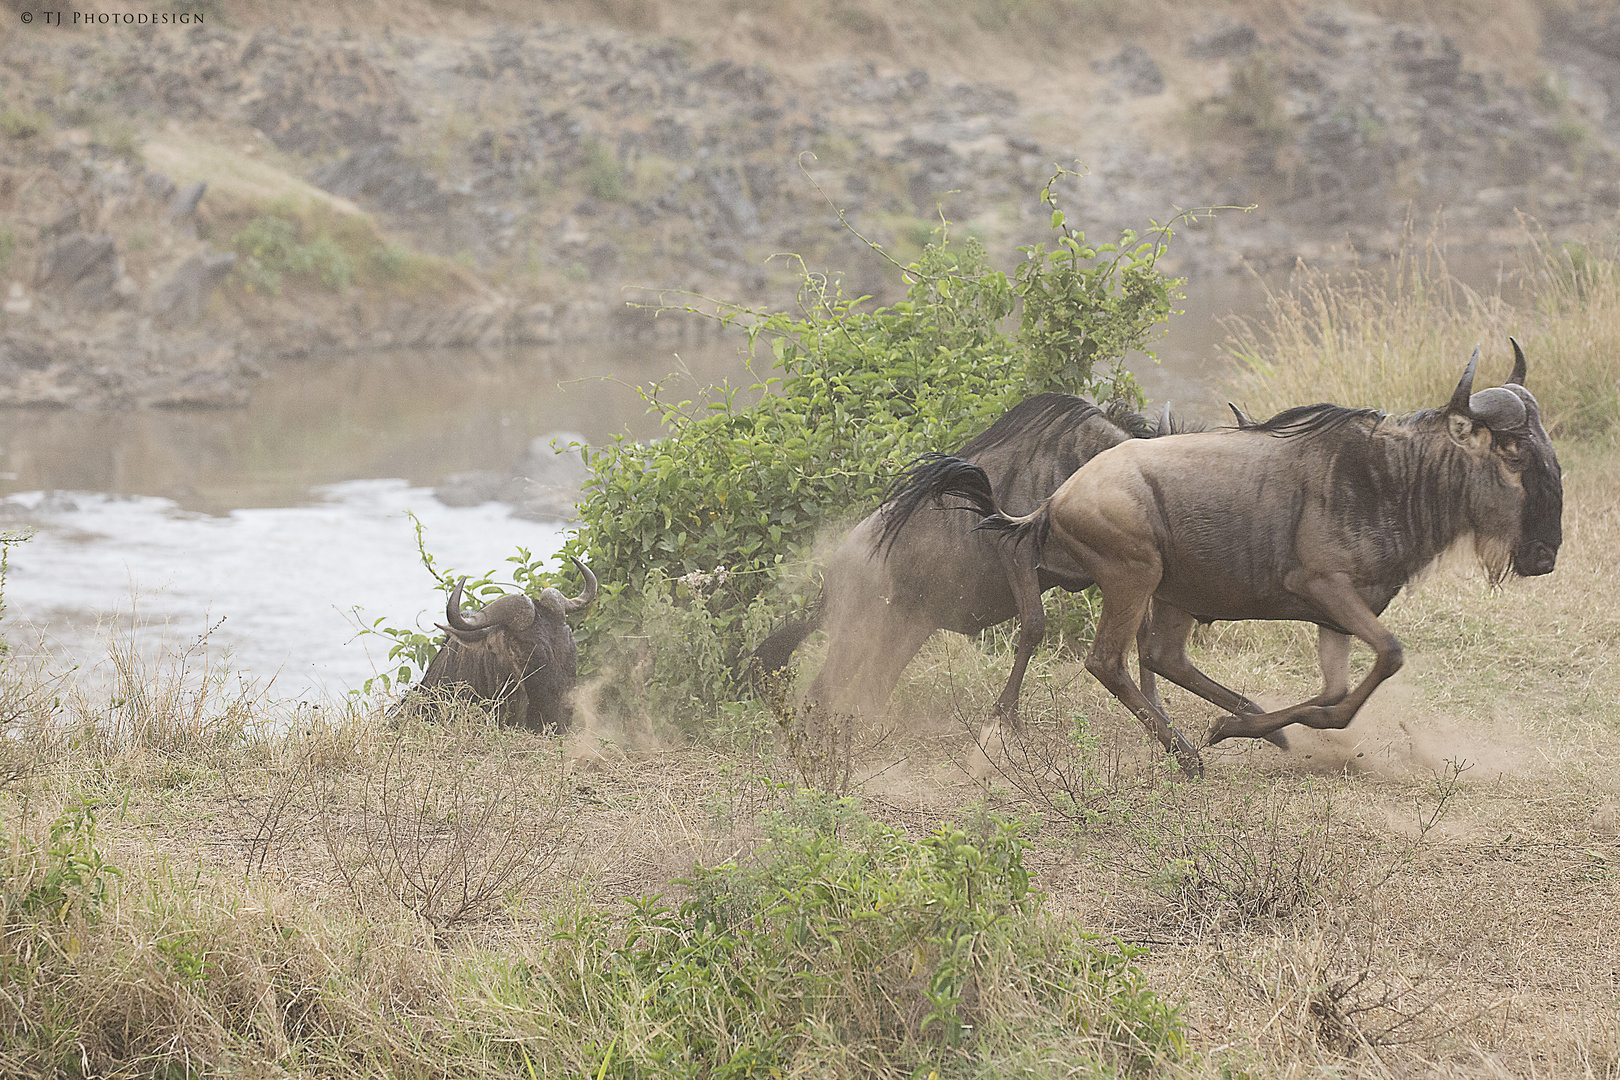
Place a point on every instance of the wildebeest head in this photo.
(1518, 520)
(515, 612)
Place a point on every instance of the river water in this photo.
(279, 530)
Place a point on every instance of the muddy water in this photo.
(289, 520)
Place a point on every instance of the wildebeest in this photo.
(896, 578)
(1320, 514)
(516, 651)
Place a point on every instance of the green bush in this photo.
(738, 493)
(843, 936)
(271, 249)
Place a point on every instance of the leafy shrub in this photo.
(843, 935)
(740, 492)
(271, 249)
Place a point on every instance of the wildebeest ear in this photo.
(1463, 430)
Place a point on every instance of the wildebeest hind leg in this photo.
(1124, 606)
(1339, 599)
(1162, 645)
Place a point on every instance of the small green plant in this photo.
(604, 176)
(70, 874)
(272, 249)
(22, 124)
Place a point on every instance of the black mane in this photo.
(1310, 420)
(1038, 415)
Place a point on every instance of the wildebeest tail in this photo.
(936, 477)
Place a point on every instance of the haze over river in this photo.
(278, 529)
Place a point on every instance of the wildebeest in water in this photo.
(899, 576)
(517, 652)
(1320, 514)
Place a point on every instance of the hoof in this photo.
(1187, 757)
(1006, 714)
(1277, 739)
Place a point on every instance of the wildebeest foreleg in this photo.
(865, 658)
(1162, 646)
(1124, 606)
(1023, 578)
(1338, 598)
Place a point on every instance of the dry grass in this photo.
(1396, 337)
(197, 878)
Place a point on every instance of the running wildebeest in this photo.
(1320, 514)
(517, 652)
(895, 580)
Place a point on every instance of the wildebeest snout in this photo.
(1535, 558)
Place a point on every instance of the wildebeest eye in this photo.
(1512, 453)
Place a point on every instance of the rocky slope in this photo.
(184, 206)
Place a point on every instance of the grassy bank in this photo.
(199, 880)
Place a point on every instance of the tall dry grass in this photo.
(1396, 337)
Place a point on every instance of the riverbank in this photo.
(199, 205)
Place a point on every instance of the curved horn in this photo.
(1164, 419)
(452, 609)
(513, 612)
(583, 599)
(1518, 364)
(1243, 418)
(1465, 386)
(1499, 407)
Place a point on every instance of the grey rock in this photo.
(84, 269)
(472, 488)
(1135, 72)
(549, 478)
(181, 300)
(160, 186)
(21, 352)
(1226, 38)
(380, 174)
(550, 459)
(601, 259)
(186, 200)
(63, 224)
(1430, 61)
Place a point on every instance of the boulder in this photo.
(380, 175)
(182, 299)
(1135, 72)
(472, 488)
(83, 270)
(186, 200)
(1226, 38)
